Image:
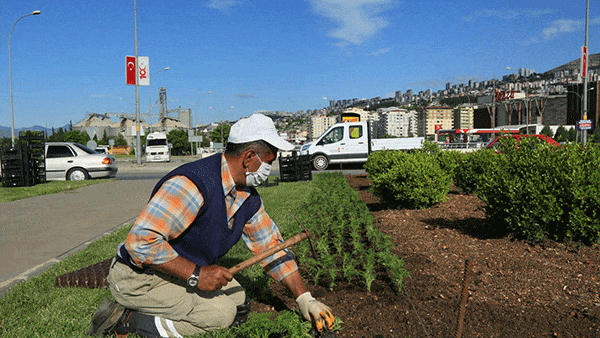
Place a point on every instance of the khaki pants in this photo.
(182, 311)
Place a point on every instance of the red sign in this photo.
(130, 69)
(438, 127)
(584, 58)
(500, 96)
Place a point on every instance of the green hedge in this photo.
(349, 247)
(531, 190)
(539, 191)
(408, 180)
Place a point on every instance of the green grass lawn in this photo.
(52, 187)
(36, 308)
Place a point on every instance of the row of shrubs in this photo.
(531, 190)
(350, 248)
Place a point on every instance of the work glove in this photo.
(312, 309)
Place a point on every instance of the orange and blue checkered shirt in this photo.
(175, 206)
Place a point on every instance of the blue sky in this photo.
(269, 55)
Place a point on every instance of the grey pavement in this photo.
(37, 232)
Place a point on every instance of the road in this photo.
(37, 232)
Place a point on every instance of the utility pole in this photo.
(585, 78)
(138, 148)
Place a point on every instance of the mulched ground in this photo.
(515, 289)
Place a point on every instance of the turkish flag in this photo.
(130, 69)
(438, 127)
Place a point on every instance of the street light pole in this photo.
(526, 106)
(585, 78)
(12, 113)
(138, 146)
(150, 80)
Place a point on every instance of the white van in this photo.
(158, 148)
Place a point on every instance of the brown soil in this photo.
(515, 289)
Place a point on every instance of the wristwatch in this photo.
(192, 280)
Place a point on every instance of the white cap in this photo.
(257, 127)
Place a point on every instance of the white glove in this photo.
(312, 309)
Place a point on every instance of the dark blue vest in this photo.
(209, 236)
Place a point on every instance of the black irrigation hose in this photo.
(415, 310)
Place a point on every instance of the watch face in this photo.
(193, 281)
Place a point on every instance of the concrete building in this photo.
(431, 116)
(97, 125)
(318, 125)
(463, 117)
(396, 122)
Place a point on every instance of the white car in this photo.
(74, 162)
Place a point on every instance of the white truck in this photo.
(351, 142)
(158, 148)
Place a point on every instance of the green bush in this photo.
(471, 168)
(450, 161)
(349, 246)
(537, 191)
(408, 180)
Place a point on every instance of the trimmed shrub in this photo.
(408, 180)
(471, 168)
(450, 161)
(537, 191)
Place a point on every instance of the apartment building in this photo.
(318, 125)
(463, 117)
(396, 122)
(429, 117)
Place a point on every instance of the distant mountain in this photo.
(573, 66)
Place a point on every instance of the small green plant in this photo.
(349, 247)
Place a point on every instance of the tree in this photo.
(120, 141)
(595, 137)
(104, 139)
(58, 136)
(215, 135)
(571, 135)
(546, 131)
(180, 145)
(5, 142)
(561, 134)
(76, 136)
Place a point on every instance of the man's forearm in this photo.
(179, 267)
(295, 283)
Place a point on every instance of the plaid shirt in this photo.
(175, 206)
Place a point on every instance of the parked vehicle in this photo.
(496, 145)
(351, 142)
(74, 162)
(158, 148)
(102, 149)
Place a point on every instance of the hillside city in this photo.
(522, 98)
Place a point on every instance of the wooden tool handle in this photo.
(255, 259)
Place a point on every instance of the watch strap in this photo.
(197, 271)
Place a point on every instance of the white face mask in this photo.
(254, 179)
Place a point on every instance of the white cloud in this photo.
(561, 26)
(380, 51)
(222, 5)
(357, 20)
(507, 14)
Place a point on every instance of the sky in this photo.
(265, 55)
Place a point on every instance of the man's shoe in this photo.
(107, 318)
